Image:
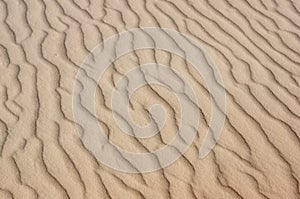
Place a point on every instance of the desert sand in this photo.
(253, 43)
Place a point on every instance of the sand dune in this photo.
(253, 43)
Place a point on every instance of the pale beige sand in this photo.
(254, 43)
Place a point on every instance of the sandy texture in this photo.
(254, 43)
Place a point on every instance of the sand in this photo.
(253, 43)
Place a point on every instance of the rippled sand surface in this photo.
(255, 44)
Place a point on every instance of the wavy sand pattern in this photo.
(255, 45)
